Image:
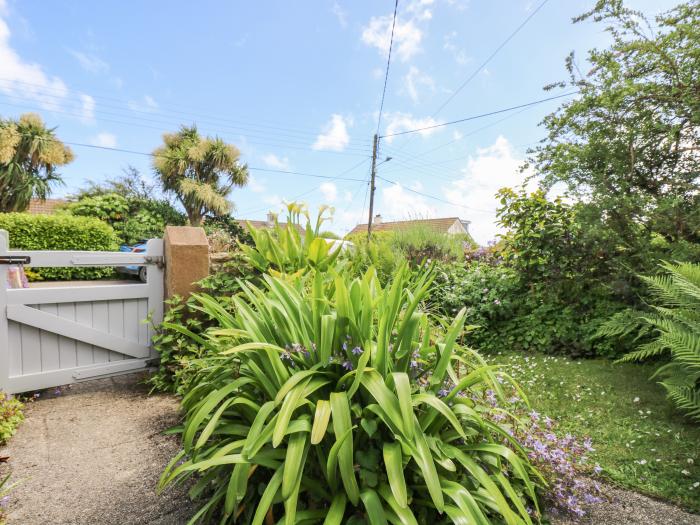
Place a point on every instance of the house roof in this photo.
(441, 225)
(48, 206)
(265, 225)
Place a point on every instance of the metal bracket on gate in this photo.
(15, 259)
(156, 259)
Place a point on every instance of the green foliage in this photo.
(10, 417)
(328, 397)
(200, 171)
(60, 232)
(419, 243)
(627, 143)
(377, 253)
(179, 354)
(281, 249)
(675, 324)
(133, 219)
(29, 156)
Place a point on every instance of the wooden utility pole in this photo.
(372, 187)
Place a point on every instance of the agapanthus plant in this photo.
(334, 400)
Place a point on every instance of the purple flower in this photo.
(597, 469)
(534, 415)
(548, 421)
(4, 501)
(345, 346)
(357, 350)
(347, 365)
(443, 392)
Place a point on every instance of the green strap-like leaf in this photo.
(337, 510)
(321, 419)
(373, 506)
(268, 495)
(340, 409)
(393, 460)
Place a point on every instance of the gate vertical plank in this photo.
(131, 320)
(100, 321)
(14, 348)
(83, 315)
(67, 351)
(49, 343)
(143, 328)
(5, 347)
(116, 325)
(31, 349)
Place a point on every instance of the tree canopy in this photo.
(629, 144)
(29, 156)
(200, 171)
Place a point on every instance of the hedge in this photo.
(60, 232)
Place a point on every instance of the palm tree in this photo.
(29, 156)
(200, 171)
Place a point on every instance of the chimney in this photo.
(271, 218)
(377, 219)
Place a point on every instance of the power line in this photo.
(61, 95)
(481, 115)
(252, 168)
(388, 63)
(488, 59)
(434, 197)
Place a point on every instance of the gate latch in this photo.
(15, 259)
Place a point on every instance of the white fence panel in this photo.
(52, 336)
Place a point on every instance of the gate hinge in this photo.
(155, 259)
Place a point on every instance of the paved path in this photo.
(94, 454)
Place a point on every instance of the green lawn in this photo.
(639, 441)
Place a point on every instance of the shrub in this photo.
(179, 353)
(60, 232)
(133, 219)
(674, 327)
(418, 243)
(331, 399)
(10, 416)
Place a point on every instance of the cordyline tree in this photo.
(629, 144)
(200, 171)
(29, 156)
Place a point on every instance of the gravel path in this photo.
(94, 454)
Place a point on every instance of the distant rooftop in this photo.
(441, 225)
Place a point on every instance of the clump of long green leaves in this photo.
(330, 399)
(283, 250)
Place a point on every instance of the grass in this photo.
(640, 441)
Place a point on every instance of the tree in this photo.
(130, 185)
(200, 171)
(629, 144)
(29, 156)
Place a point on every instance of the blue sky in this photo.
(296, 86)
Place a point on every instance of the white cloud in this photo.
(457, 53)
(397, 122)
(457, 135)
(334, 136)
(340, 14)
(105, 140)
(412, 82)
(329, 192)
(255, 185)
(146, 104)
(27, 80)
(489, 170)
(419, 9)
(90, 63)
(398, 203)
(87, 111)
(273, 161)
(407, 36)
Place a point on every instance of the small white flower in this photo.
(685, 472)
(690, 461)
(696, 484)
(635, 400)
(643, 462)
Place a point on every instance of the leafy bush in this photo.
(674, 327)
(179, 354)
(10, 416)
(229, 225)
(336, 399)
(512, 315)
(133, 219)
(418, 243)
(60, 232)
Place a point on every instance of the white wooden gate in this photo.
(51, 336)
